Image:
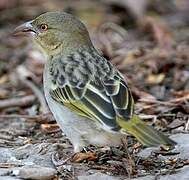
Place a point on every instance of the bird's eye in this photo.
(44, 27)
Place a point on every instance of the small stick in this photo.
(130, 165)
(43, 118)
(20, 101)
(23, 74)
(12, 116)
(181, 99)
(38, 94)
(187, 125)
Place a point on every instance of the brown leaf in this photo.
(183, 98)
(84, 156)
(50, 128)
(8, 165)
(4, 79)
(180, 94)
(155, 78)
(186, 162)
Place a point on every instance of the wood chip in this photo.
(50, 128)
(84, 156)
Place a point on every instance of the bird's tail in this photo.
(147, 135)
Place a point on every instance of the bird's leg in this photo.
(124, 141)
(62, 155)
(86, 153)
(59, 162)
(57, 157)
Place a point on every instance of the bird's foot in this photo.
(84, 153)
(57, 161)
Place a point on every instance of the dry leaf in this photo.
(84, 156)
(4, 79)
(155, 78)
(50, 128)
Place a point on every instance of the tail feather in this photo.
(147, 135)
(144, 137)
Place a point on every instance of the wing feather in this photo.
(100, 104)
(120, 96)
(103, 99)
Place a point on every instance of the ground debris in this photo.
(16, 102)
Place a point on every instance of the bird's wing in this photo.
(89, 102)
(98, 99)
(120, 95)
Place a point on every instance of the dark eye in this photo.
(44, 27)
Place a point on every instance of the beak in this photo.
(25, 28)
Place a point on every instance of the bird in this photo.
(88, 96)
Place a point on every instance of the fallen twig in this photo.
(43, 118)
(128, 164)
(180, 99)
(10, 165)
(19, 101)
(187, 125)
(23, 74)
(38, 94)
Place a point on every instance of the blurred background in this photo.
(147, 40)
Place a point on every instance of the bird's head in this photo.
(56, 32)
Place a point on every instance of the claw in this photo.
(59, 162)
